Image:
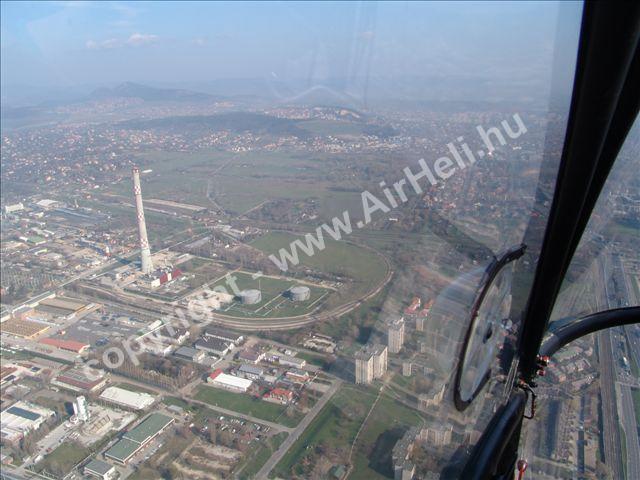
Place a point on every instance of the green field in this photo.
(364, 266)
(257, 458)
(336, 426)
(385, 426)
(248, 405)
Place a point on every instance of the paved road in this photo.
(264, 472)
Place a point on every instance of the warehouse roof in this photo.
(230, 380)
(98, 466)
(21, 412)
(70, 345)
(122, 450)
(149, 427)
(127, 398)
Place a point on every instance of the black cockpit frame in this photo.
(605, 102)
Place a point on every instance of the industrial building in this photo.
(65, 307)
(395, 335)
(250, 355)
(370, 363)
(67, 345)
(190, 354)
(127, 398)
(99, 469)
(229, 382)
(80, 380)
(213, 345)
(250, 297)
(20, 419)
(289, 361)
(223, 334)
(24, 328)
(299, 293)
(138, 437)
(251, 372)
(296, 375)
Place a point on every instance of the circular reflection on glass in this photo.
(489, 326)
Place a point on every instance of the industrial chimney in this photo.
(145, 251)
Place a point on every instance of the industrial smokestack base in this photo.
(145, 251)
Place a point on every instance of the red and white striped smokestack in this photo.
(145, 251)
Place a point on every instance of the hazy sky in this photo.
(72, 43)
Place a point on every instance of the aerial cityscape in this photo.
(200, 284)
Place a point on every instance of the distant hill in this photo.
(149, 94)
(233, 122)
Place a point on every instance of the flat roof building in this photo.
(229, 382)
(68, 345)
(138, 437)
(189, 353)
(127, 398)
(81, 380)
(21, 418)
(99, 469)
(214, 345)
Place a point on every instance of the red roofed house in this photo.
(279, 395)
(69, 345)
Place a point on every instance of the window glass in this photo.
(262, 240)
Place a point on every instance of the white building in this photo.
(127, 398)
(80, 409)
(16, 207)
(229, 382)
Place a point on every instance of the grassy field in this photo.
(273, 303)
(257, 458)
(236, 181)
(336, 425)
(385, 426)
(247, 405)
(341, 258)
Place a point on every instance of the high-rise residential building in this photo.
(370, 363)
(395, 335)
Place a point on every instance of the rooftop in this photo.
(149, 427)
(98, 466)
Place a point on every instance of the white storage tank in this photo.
(250, 297)
(299, 293)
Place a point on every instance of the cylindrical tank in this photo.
(300, 293)
(250, 297)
